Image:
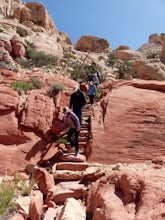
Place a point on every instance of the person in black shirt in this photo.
(77, 101)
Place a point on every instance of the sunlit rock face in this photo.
(129, 124)
(92, 44)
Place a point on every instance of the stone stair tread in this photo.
(67, 175)
(72, 166)
(71, 158)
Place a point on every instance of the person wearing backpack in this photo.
(77, 102)
(91, 92)
(71, 120)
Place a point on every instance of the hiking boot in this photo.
(76, 154)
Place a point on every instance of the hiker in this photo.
(77, 101)
(96, 80)
(91, 92)
(73, 122)
(91, 77)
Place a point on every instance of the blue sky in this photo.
(120, 22)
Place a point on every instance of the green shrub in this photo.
(98, 94)
(56, 87)
(21, 32)
(124, 68)
(81, 70)
(10, 191)
(23, 186)
(36, 82)
(62, 141)
(152, 56)
(1, 30)
(20, 86)
(7, 192)
(111, 59)
(68, 54)
(37, 58)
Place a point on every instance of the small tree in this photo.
(36, 82)
(20, 86)
(37, 58)
(56, 87)
(124, 68)
(111, 59)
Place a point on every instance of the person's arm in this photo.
(95, 89)
(83, 99)
(71, 101)
(76, 121)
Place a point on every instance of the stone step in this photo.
(87, 113)
(83, 139)
(85, 125)
(86, 119)
(69, 157)
(67, 175)
(81, 145)
(84, 133)
(74, 166)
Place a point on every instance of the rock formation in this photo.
(91, 44)
(126, 125)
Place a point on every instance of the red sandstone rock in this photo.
(36, 205)
(127, 195)
(60, 192)
(44, 180)
(131, 126)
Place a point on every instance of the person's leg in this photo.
(76, 142)
(90, 99)
(78, 112)
(70, 137)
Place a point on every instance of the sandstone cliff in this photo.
(120, 169)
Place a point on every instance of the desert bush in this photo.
(36, 82)
(23, 186)
(111, 59)
(124, 68)
(55, 88)
(37, 58)
(21, 32)
(20, 86)
(81, 70)
(98, 94)
(62, 141)
(7, 192)
(68, 54)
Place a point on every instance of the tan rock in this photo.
(92, 44)
(41, 18)
(17, 217)
(50, 214)
(71, 210)
(23, 205)
(128, 54)
(148, 70)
